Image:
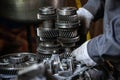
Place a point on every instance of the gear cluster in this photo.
(58, 35)
(12, 63)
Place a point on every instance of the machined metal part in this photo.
(47, 16)
(49, 48)
(66, 53)
(48, 35)
(47, 10)
(46, 13)
(69, 40)
(67, 11)
(59, 68)
(18, 58)
(69, 33)
(12, 63)
(47, 32)
(67, 24)
(67, 18)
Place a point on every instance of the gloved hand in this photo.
(81, 54)
(85, 17)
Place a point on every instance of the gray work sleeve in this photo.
(106, 46)
(95, 7)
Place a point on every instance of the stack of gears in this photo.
(57, 36)
(47, 33)
(57, 31)
(67, 23)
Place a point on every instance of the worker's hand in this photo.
(81, 54)
(85, 18)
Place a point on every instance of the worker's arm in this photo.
(92, 10)
(101, 48)
(95, 7)
(106, 46)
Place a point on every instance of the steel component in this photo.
(49, 48)
(48, 35)
(12, 63)
(67, 11)
(47, 29)
(70, 33)
(67, 24)
(69, 40)
(46, 13)
(67, 18)
(47, 32)
(18, 58)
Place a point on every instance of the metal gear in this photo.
(69, 33)
(48, 35)
(49, 48)
(10, 64)
(67, 24)
(67, 18)
(46, 13)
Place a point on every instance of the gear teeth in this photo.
(69, 40)
(49, 33)
(68, 19)
(66, 33)
(8, 72)
(12, 63)
(8, 77)
(43, 56)
(18, 59)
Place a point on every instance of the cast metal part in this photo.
(12, 63)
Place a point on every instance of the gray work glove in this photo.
(85, 17)
(81, 54)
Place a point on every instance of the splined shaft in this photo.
(67, 24)
(47, 32)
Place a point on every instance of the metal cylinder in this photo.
(47, 32)
(67, 24)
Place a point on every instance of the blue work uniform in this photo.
(107, 45)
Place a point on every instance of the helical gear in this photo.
(67, 24)
(12, 63)
(48, 35)
(69, 33)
